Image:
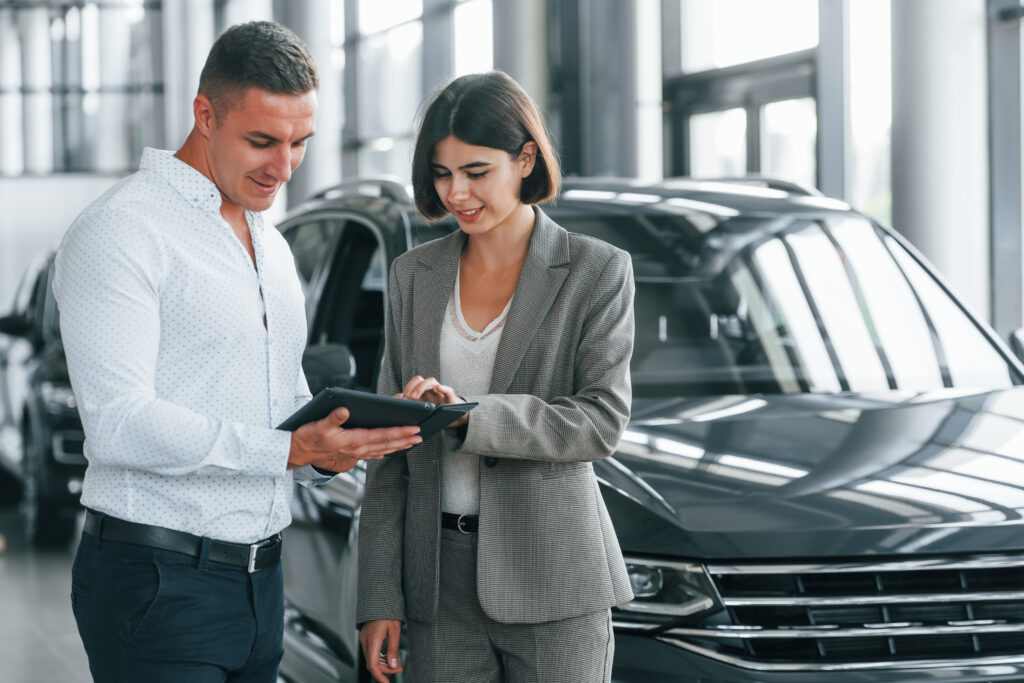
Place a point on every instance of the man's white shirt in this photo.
(178, 382)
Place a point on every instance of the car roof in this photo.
(723, 197)
(746, 194)
(748, 205)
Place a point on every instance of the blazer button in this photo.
(490, 462)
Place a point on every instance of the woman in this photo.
(491, 541)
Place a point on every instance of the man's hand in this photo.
(328, 445)
(371, 638)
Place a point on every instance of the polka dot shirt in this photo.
(178, 382)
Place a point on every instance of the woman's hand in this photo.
(371, 639)
(429, 389)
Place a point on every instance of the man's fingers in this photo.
(380, 449)
(337, 417)
(383, 435)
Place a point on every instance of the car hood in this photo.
(820, 475)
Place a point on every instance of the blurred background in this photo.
(910, 110)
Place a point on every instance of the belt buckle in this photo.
(459, 522)
(252, 556)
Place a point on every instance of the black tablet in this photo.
(373, 410)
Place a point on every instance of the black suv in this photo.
(823, 476)
(41, 435)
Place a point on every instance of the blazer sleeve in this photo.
(382, 520)
(588, 424)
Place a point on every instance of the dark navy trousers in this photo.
(156, 616)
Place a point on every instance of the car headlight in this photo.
(663, 588)
(58, 398)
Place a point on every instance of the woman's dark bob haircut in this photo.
(487, 110)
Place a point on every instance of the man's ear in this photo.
(528, 157)
(206, 119)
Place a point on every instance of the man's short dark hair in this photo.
(261, 54)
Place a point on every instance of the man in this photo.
(182, 320)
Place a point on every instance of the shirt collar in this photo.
(195, 187)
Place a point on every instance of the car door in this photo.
(16, 348)
(341, 259)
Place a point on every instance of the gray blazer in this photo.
(560, 397)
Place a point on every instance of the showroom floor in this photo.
(38, 639)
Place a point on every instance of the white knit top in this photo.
(467, 362)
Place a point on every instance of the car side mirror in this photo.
(15, 325)
(1017, 343)
(329, 365)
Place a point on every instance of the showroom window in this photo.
(82, 81)
(474, 47)
(387, 86)
(871, 108)
(717, 146)
(744, 92)
(740, 98)
(721, 33)
(401, 51)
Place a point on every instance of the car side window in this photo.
(37, 304)
(852, 338)
(350, 307)
(969, 358)
(309, 242)
(26, 291)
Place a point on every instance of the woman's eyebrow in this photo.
(472, 164)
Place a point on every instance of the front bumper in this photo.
(642, 659)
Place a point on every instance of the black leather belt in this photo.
(253, 557)
(467, 524)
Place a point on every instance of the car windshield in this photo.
(787, 305)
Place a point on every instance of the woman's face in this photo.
(479, 185)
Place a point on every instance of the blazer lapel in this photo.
(432, 287)
(540, 280)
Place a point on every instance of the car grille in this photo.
(828, 617)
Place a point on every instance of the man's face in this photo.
(256, 143)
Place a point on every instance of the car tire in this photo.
(48, 523)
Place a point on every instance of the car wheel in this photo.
(48, 523)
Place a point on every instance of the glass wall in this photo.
(96, 65)
(741, 93)
(396, 61)
(721, 33)
(93, 96)
(871, 108)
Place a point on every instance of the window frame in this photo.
(748, 86)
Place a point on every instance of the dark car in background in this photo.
(41, 439)
(823, 474)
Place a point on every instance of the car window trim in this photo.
(812, 304)
(1000, 346)
(937, 345)
(746, 254)
(858, 291)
